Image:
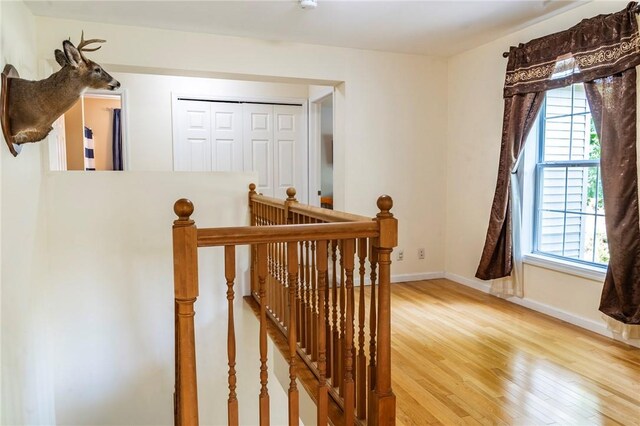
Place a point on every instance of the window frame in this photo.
(541, 257)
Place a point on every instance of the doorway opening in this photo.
(89, 135)
(321, 137)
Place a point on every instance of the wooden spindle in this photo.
(349, 385)
(278, 283)
(264, 392)
(361, 374)
(284, 289)
(323, 401)
(327, 319)
(185, 275)
(385, 399)
(373, 323)
(335, 343)
(292, 264)
(314, 305)
(230, 275)
(307, 298)
(300, 293)
(341, 347)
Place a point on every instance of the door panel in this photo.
(258, 144)
(193, 149)
(227, 137)
(290, 162)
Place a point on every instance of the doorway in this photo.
(89, 136)
(321, 136)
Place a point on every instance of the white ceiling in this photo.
(426, 27)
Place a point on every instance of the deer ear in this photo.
(71, 53)
(61, 58)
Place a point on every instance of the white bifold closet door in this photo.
(193, 150)
(268, 139)
(209, 137)
(275, 147)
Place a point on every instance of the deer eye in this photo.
(96, 70)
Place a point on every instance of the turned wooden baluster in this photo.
(230, 275)
(373, 323)
(348, 249)
(284, 289)
(385, 399)
(292, 265)
(341, 347)
(264, 392)
(327, 319)
(281, 275)
(361, 375)
(302, 306)
(307, 297)
(335, 344)
(323, 389)
(314, 305)
(278, 284)
(185, 276)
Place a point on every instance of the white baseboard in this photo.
(586, 323)
(403, 278)
(480, 285)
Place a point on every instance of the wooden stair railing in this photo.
(303, 262)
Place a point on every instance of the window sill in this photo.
(584, 271)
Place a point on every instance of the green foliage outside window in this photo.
(595, 183)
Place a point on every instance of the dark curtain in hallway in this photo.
(602, 52)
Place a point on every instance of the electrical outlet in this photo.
(400, 255)
(420, 253)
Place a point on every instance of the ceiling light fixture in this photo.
(308, 4)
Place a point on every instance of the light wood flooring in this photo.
(463, 357)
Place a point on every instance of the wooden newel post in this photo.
(291, 199)
(185, 273)
(385, 410)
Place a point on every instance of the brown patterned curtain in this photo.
(601, 52)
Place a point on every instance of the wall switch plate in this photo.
(420, 253)
(400, 255)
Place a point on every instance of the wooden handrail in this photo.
(270, 201)
(306, 265)
(210, 237)
(323, 215)
(326, 215)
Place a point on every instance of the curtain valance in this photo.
(597, 47)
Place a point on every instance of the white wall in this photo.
(25, 370)
(475, 109)
(148, 110)
(389, 136)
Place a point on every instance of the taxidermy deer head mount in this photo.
(31, 107)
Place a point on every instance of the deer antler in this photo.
(83, 43)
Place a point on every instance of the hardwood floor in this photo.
(460, 356)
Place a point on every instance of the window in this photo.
(569, 208)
